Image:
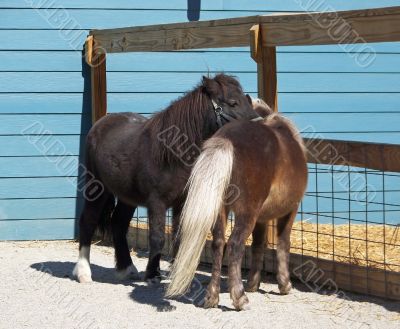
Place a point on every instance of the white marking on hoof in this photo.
(284, 290)
(130, 273)
(153, 281)
(82, 268)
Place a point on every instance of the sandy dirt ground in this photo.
(37, 291)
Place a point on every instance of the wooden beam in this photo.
(376, 156)
(175, 39)
(98, 82)
(355, 26)
(335, 28)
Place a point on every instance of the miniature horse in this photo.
(142, 162)
(266, 162)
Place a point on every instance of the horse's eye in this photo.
(233, 102)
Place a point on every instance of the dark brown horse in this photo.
(140, 162)
(266, 162)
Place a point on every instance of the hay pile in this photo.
(376, 246)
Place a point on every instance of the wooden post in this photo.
(96, 58)
(266, 68)
(267, 90)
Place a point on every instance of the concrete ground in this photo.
(37, 291)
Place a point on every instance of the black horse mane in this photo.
(182, 123)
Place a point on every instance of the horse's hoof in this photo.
(130, 273)
(285, 289)
(84, 279)
(153, 281)
(82, 272)
(242, 303)
(210, 301)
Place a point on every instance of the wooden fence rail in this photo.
(354, 26)
(383, 157)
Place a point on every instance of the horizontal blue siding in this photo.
(45, 229)
(55, 166)
(321, 88)
(276, 5)
(28, 61)
(71, 103)
(40, 187)
(318, 122)
(150, 82)
(42, 208)
(38, 209)
(20, 146)
(29, 19)
(59, 124)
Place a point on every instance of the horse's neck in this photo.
(210, 126)
(180, 134)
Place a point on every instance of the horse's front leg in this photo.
(212, 297)
(157, 239)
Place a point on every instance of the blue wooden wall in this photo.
(42, 91)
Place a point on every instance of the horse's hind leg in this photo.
(244, 225)
(90, 218)
(257, 255)
(212, 297)
(120, 223)
(284, 227)
(157, 211)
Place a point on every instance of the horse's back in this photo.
(115, 122)
(269, 165)
(114, 128)
(111, 149)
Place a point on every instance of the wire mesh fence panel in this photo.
(350, 215)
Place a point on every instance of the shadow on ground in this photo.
(63, 270)
(154, 295)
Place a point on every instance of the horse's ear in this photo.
(249, 99)
(211, 86)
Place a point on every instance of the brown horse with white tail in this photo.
(266, 162)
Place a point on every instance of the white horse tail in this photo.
(207, 185)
